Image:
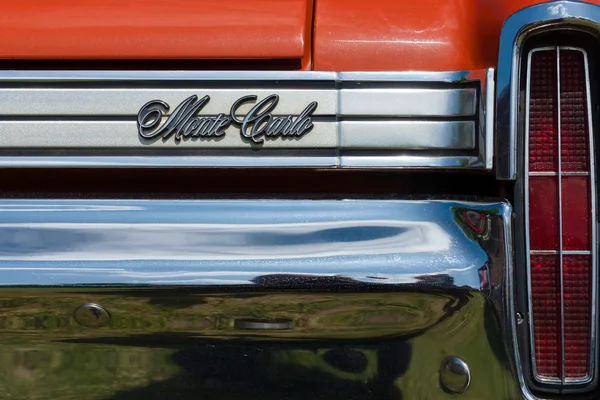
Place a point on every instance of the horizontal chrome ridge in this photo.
(393, 102)
(390, 134)
(99, 102)
(361, 120)
(352, 102)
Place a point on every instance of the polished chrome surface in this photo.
(560, 212)
(594, 236)
(234, 242)
(423, 102)
(379, 292)
(365, 161)
(486, 130)
(207, 160)
(561, 252)
(52, 116)
(407, 134)
(455, 375)
(125, 101)
(517, 28)
(106, 135)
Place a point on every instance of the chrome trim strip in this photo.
(411, 76)
(206, 161)
(561, 252)
(560, 217)
(526, 211)
(510, 311)
(594, 205)
(98, 135)
(54, 112)
(393, 102)
(119, 102)
(564, 173)
(143, 75)
(363, 161)
(564, 252)
(413, 135)
(488, 126)
(515, 31)
(352, 102)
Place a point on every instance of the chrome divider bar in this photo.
(593, 205)
(565, 252)
(560, 223)
(564, 173)
(526, 212)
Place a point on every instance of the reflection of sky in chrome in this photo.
(231, 242)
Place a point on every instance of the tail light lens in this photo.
(560, 210)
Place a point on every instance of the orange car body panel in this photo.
(155, 29)
(347, 35)
(422, 35)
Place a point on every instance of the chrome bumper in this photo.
(255, 299)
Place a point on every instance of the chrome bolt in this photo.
(92, 315)
(519, 318)
(455, 376)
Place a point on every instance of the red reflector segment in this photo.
(543, 120)
(577, 278)
(574, 138)
(543, 213)
(576, 213)
(545, 290)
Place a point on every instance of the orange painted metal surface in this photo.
(155, 29)
(348, 35)
(425, 35)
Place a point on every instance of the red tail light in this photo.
(560, 208)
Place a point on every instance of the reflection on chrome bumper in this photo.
(292, 298)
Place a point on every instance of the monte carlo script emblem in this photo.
(256, 125)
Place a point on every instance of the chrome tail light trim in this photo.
(517, 28)
(593, 317)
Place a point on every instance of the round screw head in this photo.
(92, 315)
(455, 376)
(519, 318)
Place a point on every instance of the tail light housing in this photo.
(560, 215)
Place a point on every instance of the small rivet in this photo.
(519, 318)
(455, 376)
(92, 315)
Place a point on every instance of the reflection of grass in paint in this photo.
(463, 335)
(33, 365)
(61, 371)
(314, 360)
(316, 315)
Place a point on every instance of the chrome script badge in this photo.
(258, 123)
